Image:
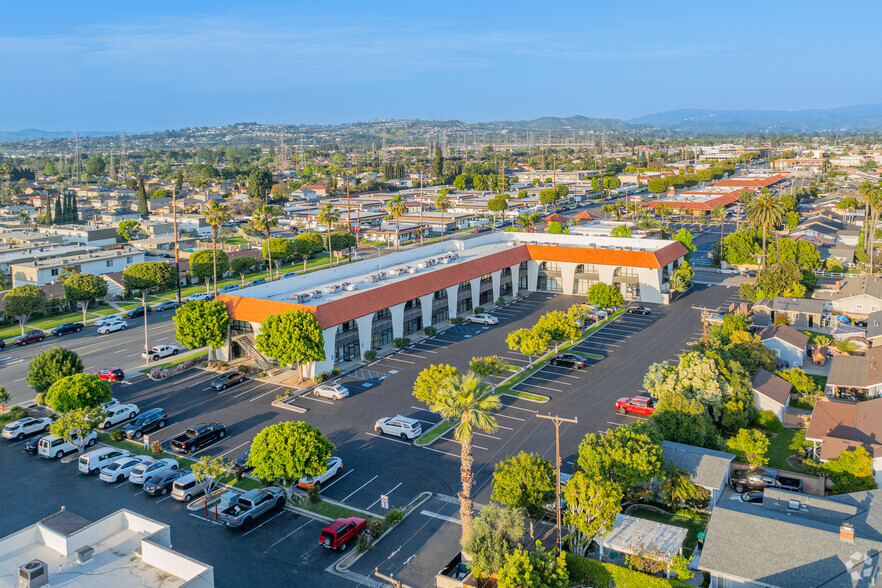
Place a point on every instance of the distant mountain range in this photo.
(34, 134)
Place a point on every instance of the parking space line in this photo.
(409, 355)
(204, 448)
(193, 514)
(559, 374)
(387, 494)
(200, 382)
(322, 400)
(537, 386)
(505, 416)
(401, 360)
(249, 390)
(288, 535)
(384, 437)
(163, 499)
(534, 376)
(277, 515)
(265, 393)
(519, 408)
(233, 449)
(346, 473)
(460, 442)
(360, 487)
(439, 451)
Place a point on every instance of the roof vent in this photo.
(350, 287)
(84, 553)
(846, 532)
(316, 293)
(793, 505)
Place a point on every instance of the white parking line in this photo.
(322, 400)
(519, 408)
(386, 494)
(233, 449)
(277, 515)
(608, 344)
(439, 451)
(346, 473)
(460, 442)
(360, 487)
(193, 514)
(265, 393)
(559, 374)
(249, 390)
(535, 377)
(163, 499)
(537, 386)
(402, 360)
(286, 536)
(388, 438)
(411, 355)
(200, 382)
(505, 416)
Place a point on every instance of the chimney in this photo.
(846, 532)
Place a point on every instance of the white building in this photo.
(98, 262)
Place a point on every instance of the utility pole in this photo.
(704, 311)
(557, 420)
(421, 207)
(175, 226)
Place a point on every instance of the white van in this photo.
(186, 488)
(56, 447)
(93, 461)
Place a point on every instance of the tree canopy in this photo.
(628, 455)
(83, 288)
(148, 276)
(127, 229)
(201, 323)
(432, 381)
(605, 295)
(52, 365)
(291, 338)
(289, 451)
(496, 533)
(77, 391)
(202, 264)
(525, 481)
(23, 301)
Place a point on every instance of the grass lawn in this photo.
(780, 450)
(693, 524)
(329, 510)
(235, 241)
(820, 380)
(139, 449)
(177, 360)
(527, 395)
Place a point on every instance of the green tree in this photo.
(462, 182)
(82, 289)
(677, 487)
(488, 368)
(292, 338)
(66, 272)
(288, 451)
(206, 262)
(526, 481)
(556, 327)
(548, 196)
(685, 237)
(629, 455)
(77, 391)
(127, 229)
(657, 185)
(202, 323)
(621, 231)
(592, 506)
(686, 420)
(262, 221)
(555, 228)
(215, 215)
(803, 384)
(147, 277)
(282, 250)
(527, 342)
(49, 169)
(605, 296)
(306, 245)
(765, 212)
(95, 166)
(260, 182)
(498, 204)
(536, 569)
(397, 207)
(443, 204)
(242, 265)
(496, 533)
(75, 425)
(328, 216)
(852, 471)
(209, 471)
(23, 301)
(52, 365)
(141, 194)
(750, 445)
(438, 164)
(432, 381)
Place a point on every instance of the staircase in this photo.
(249, 347)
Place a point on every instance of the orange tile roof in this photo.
(585, 215)
(752, 182)
(556, 218)
(724, 200)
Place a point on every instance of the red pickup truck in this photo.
(340, 532)
(638, 405)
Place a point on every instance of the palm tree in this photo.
(873, 199)
(442, 203)
(527, 223)
(664, 211)
(765, 212)
(719, 214)
(328, 216)
(606, 209)
(215, 215)
(677, 486)
(467, 401)
(263, 220)
(397, 208)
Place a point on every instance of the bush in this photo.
(500, 301)
(156, 447)
(767, 420)
(594, 573)
(159, 373)
(116, 435)
(335, 372)
(312, 494)
(429, 331)
(186, 365)
(363, 544)
(394, 517)
(41, 398)
(479, 309)
(321, 377)
(587, 571)
(369, 355)
(375, 527)
(401, 342)
(781, 319)
(243, 369)
(456, 320)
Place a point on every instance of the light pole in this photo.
(175, 227)
(557, 420)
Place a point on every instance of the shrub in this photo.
(156, 373)
(370, 354)
(312, 494)
(429, 331)
(243, 369)
(116, 435)
(767, 420)
(156, 447)
(401, 342)
(500, 301)
(587, 571)
(164, 374)
(479, 309)
(335, 372)
(456, 320)
(363, 544)
(393, 517)
(321, 377)
(375, 527)
(186, 365)
(40, 400)
(781, 319)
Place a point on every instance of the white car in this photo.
(728, 271)
(161, 351)
(228, 288)
(483, 318)
(335, 466)
(334, 391)
(119, 413)
(121, 468)
(108, 404)
(119, 325)
(92, 462)
(399, 426)
(106, 320)
(57, 447)
(199, 296)
(21, 428)
(152, 468)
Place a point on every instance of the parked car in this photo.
(92, 462)
(482, 318)
(198, 436)
(149, 420)
(186, 488)
(257, 282)
(241, 462)
(112, 327)
(862, 323)
(112, 375)
(761, 478)
(57, 447)
(167, 305)
(755, 496)
(639, 310)
(65, 328)
(288, 275)
(399, 426)
(199, 296)
(483, 229)
(341, 533)
(26, 427)
(152, 467)
(334, 391)
(109, 403)
(228, 288)
(227, 380)
(121, 468)
(119, 413)
(643, 405)
(161, 484)
(245, 509)
(34, 336)
(729, 271)
(137, 312)
(106, 320)
(160, 351)
(569, 360)
(32, 445)
(335, 466)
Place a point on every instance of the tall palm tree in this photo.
(397, 208)
(664, 211)
(719, 214)
(442, 203)
(215, 215)
(677, 486)
(264, 218)
(467, 401)
(873, 198)
(527, 223)
(328, 217)
(765, 212)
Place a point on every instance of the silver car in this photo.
(333, 391)
(152, 468)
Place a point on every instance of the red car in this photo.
(638, 405)
(112, 375)
(30, 337)
(341, 532)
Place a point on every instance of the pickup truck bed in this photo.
(245, 509)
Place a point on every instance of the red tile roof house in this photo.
(839, 425)
(366, 304)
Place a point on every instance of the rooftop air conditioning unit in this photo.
(422, 265)
(412, 270)
(84, 553)
(33, 574)
(371, 279)
(316, 293)
(300, 297)
(350, 287)
(445, 260)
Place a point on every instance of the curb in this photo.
(285, 406)
(525, 399)
(435, 426)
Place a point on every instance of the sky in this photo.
(142, 66)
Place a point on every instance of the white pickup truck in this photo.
(161, 351)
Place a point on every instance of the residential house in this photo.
(824, 227)
(874, 329)
(788, 343)
(801, 313)
(97, 262)
(93, 237)
(839, 425)
(857, 296)
(708, 469)
(856, 377)
(771, 392)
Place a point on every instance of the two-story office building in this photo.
(98, 262)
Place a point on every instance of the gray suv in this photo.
(147, 421)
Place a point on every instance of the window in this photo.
(383, 314)
(552, 266)
(860, 306)
(129, 259)
(109, 263)
(553, 284)
(53, 272)
(874, 308)
(626, 272)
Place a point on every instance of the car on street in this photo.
(112, 375)
(137, 312)
(112, 327)
(152, 467)
(121, 468)
(569, 360)
(642, 405)
(106, 320)
(55, 447)
(482, 318)
(333, 391)
(335, 466)
(32, 445)
(34, 336)
(26, 427)
(92, 462)
(198, 436)
(167, 305)
(228, 288)
(245, 509)
(241, 462)
(65, 328)
(755, 496)
(749, 273)
(639, 310)
(257, 282)
(186, 488)
(160, 351)
(342, 532)
(149, 420)
(729, 271)
(399, 426)
(199, 296)
(161, 484)
(227, 381)
(482, 229)
(288, 275)
(119, 413)
(862, 323)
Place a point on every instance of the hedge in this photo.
(768, 421)
(590, 572)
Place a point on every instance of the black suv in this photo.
(639, 310)
(569, 360)
(65, 328)
(137, 312)
(149, 420)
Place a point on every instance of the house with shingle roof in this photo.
(858, 296)
(771, 392)
(856, 377)
(839, 425)
(801, 313)
(787, 342)
(709, 469)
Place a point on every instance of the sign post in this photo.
(384, 501)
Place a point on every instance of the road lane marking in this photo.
(324, 488)
(360, 487)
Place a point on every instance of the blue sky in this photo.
(162, 65)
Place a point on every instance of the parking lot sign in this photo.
(146, 441)
(384, 501)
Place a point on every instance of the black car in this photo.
(753, 496)
(65, 328)
(226, 381)
(569, 360)
(162, 484)
(149, 420)
(31, 444)
(862, 323)
(241, 463)
(639, 310)
(167, 305)
(137, 312)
